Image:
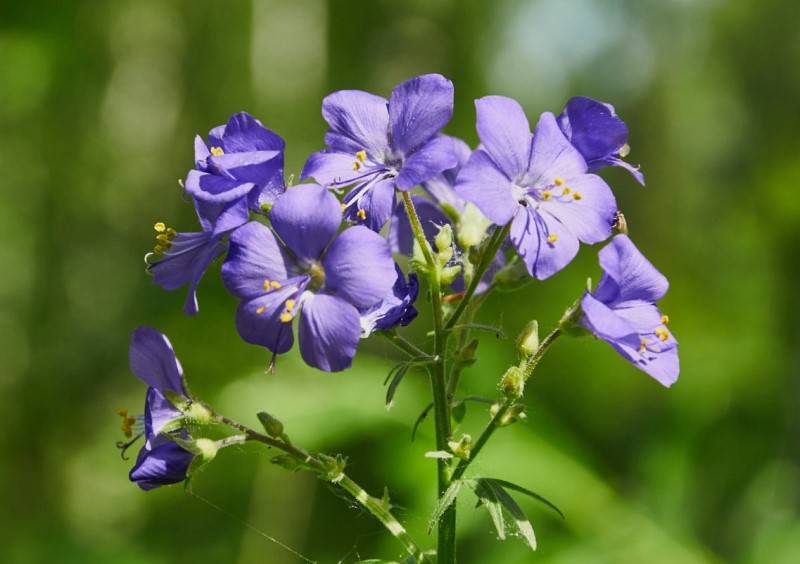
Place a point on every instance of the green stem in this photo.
(498, 236)
(402, 343)
(377, 507)
(494, 424)
(446, 553)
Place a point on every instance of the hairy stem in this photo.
(402, 343)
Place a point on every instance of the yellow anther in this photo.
(558, 181)
(665, 320)
(158, 249)
(160, 227)
(286, 317)
(128, 421)
(266, 285)
(275, 285)
(643, 346)
(171, 232)
(290, 304)
(624, 150)
(356, 165)
(362, 214)
(261, 310)
(162, 237)
(662, 333)
(217, 151)
(167, 245)
(566, 191)
(122, 411)
(552, 238)
(547, 194)
(361, 156)
(577, 196)
(344, 207)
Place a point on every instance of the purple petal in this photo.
(629, 277)
(153, 361)
(219, 218)
(165, 464)
(530, 234)
(244, 133)
(604, 323)
(358, 120)
(505, 133)
(359, 267)
(329, 332)
(593, 128)
(306, 218)
(254, 255)
(589, 217)
(429, 160)
(213, 188)
(396, 308)
(419, 109)
(329, 167)
(376, 201)
(442, 187)
(158, 411)
(483, 184)
(552, 155)
(259, 320)
(186, 262)
(201, 153)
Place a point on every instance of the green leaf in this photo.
(447, 499)
(534, 495)
(492, 490)
(397, 373)
(487, 496)
(420, 419)
(498, 332)
(458, 412)
(398, 377)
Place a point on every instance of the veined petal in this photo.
(213, 188)
(633, 279)
(552, 155)
(593, 128)
(433, 157)
(331, 167)
(244, 133)
(254, 255)
(605, 324)
(153, 361)
(358, 120)
(186, 262)
(257, 167)
(543, 243)
(505, 133)
(419, 108)
(165, 464)
(587, 207)
(329, 332)
(486, 186)
(377, 202)
(158, 411)
(258, 320)
(359, 267)
(306, 218)
(219, 218)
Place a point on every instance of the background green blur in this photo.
(99, 103)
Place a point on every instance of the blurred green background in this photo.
(99, 103)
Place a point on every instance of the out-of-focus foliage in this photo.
(98, 106)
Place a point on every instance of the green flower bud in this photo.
(515, 413)
(528, 341)
(513, 383)
(204, 450)
(463, 447)
(444, 239)
(472, 227)
(286, 461)
(272, 426)
(449, 273)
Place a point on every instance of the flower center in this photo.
(317, 274)
(164, 238)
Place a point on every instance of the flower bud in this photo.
(472, 227)
(463, 447)
(272, 426)
(449, 273)
(286, 461)
(444, 239)
(528, 341)
(513, 383)
(515, 413)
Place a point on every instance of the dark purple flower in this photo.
(622, 311)
(595, 130)
(380, 145)
(396, 309)
(308, 269)
(539, 182)
(160, 461)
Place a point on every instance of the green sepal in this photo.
(513, 383)
(449, 273)
(569, 321)
(334, 467)
(528, 341)
(204, 450)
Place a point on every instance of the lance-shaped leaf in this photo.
(517, 488)
(447, 499)
(495, 499)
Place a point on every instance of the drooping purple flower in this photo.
(379, 145)
(539, 181)
(308, 269)
(161, 461)
(622, 311)
(595, 130)
(242, 169)
(395, 310)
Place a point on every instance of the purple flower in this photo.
(310, 270)
(396, 308)
(242, 165)
(380, 145)
(622, 311)
(595, 130)
(161, 461)
(539, 182)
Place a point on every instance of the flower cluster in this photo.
(519, 204)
